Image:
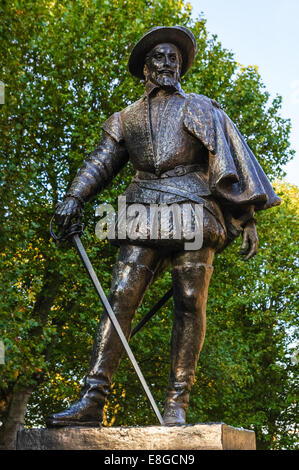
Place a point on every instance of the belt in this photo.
(179, 170)
(188, 196)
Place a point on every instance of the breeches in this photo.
(211, 225)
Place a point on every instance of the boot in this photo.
(176, 404)
(88, 410)
(84, 412)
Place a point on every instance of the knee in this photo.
(122, 297)
(190, 284)
(187, 301)
(128, 285)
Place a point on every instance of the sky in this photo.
(263, 33)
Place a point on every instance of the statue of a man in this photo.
(184, 149)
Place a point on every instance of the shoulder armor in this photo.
(113, 127)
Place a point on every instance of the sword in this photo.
(73, 233)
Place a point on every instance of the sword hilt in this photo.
(66, 233)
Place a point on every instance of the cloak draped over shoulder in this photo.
(235, 176)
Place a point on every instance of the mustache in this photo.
(165, 70)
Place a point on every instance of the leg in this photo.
(132, 274)
(191, 275)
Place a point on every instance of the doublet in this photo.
(157, 144)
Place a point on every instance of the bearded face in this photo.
(162, 65)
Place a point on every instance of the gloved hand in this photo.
(67, 210)
(250, 241)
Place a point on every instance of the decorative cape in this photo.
(235, 176)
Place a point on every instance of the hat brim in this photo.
(180, 36)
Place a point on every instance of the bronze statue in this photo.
(185, 149)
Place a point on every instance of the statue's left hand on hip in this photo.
(250, 241)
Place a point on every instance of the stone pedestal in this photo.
(214, 436)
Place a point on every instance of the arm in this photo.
(95, 174)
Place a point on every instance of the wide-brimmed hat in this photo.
(180, 36)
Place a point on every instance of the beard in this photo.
(163, 80)
(166, 81)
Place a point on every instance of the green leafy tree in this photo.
(64, 64)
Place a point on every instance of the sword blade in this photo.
(152, 312)
(88, 266)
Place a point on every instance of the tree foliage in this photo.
(64, 64)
